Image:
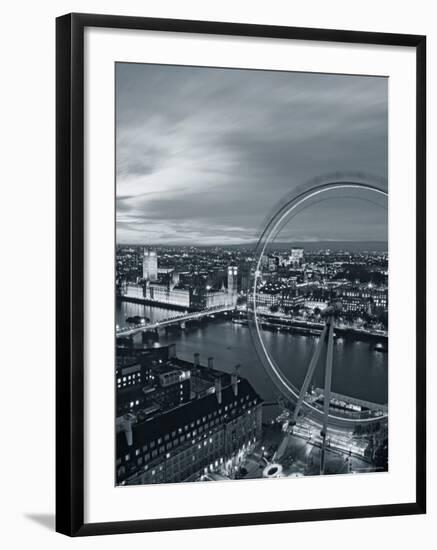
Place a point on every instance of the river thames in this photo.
(359, 370)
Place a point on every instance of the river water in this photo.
(359, 371)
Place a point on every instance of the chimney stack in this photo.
(234, 380)
(210, 362)
(172, 351)
(196, 360)
(218, 390)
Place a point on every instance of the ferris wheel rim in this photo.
(330, 184)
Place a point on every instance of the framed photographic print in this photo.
(240, 274)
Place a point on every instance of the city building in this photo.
(198, 278)
(296, 257)
(221, 421)
(273, 263)
(133, 291)
(363, 298)
(267, 298)
(180, 296)
(290, 299)
(281, 296)
(245, 277)
(168, 294)
(150, 381)
(233, 282)
(216, 298)
(150, 265)
(313, 305)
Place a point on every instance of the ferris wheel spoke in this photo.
(327, 392)
(309, 374)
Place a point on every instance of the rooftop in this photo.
(167, 422)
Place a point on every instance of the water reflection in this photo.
(359, 370)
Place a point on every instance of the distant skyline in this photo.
(352, 246)
(203, 155)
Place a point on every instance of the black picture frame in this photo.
(70, 273)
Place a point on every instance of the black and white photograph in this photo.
(215, 248)
(252, 274)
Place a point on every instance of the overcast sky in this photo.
(203, 155)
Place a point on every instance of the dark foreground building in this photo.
(158, 442)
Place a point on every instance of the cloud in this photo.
(204, 154)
